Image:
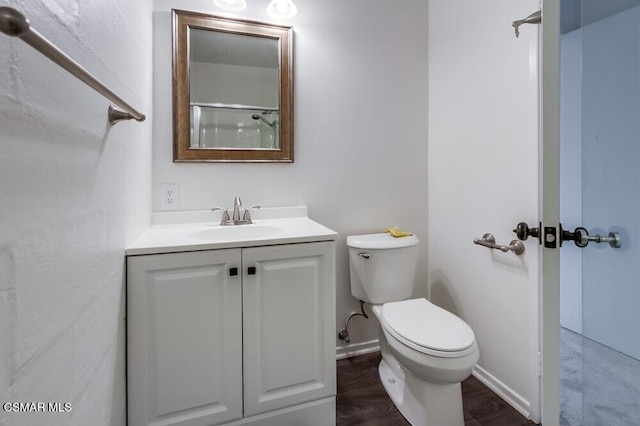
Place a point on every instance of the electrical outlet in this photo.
(169, 196)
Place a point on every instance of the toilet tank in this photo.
(382, 267)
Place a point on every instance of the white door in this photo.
(184, 339)
(289, 325)
(483, 178)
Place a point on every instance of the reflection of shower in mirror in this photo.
(270, 124)
(216, 127)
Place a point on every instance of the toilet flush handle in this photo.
(365, 254)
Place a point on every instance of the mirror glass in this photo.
(232, 90)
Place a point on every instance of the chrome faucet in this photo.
(236, 209)
(235, 218)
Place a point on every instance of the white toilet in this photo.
(426, 350)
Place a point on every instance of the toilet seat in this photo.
(427, 328)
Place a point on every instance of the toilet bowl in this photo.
(426, 350)
(423, 379)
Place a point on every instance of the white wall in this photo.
(483, 177)
(74, 192)
(599, 175)
(610, 129)
(360, 127)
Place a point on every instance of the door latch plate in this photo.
(550, 237)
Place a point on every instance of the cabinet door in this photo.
(289, 324)
(184, 338)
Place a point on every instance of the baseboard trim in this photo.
(503, 391)
(355, 349)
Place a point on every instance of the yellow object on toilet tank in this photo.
(397, 232)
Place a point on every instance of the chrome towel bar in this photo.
(488, 240)
(14, 23)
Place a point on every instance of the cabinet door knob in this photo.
(251, 270)
(233, 272)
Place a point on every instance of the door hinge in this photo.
(540, 364)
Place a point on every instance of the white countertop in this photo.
(189, 231)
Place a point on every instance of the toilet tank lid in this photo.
(381, 241)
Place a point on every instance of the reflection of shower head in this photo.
(259, 117)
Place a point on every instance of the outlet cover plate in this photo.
(169, 196)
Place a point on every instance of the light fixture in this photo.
(282, 8)
(233, 5)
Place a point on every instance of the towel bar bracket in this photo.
(116, 115)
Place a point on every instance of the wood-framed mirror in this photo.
(232, 90)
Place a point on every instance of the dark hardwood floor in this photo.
(362, 399)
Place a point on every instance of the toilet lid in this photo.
(426, 325)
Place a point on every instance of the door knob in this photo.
(580, 236)
(523, 232)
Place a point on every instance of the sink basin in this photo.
(238, 232)
(190, 231)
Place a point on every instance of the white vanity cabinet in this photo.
(232, 336)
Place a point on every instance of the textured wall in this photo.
(74, 192)
(360, 127)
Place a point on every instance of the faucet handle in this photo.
(225, 214)
(247, 215)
